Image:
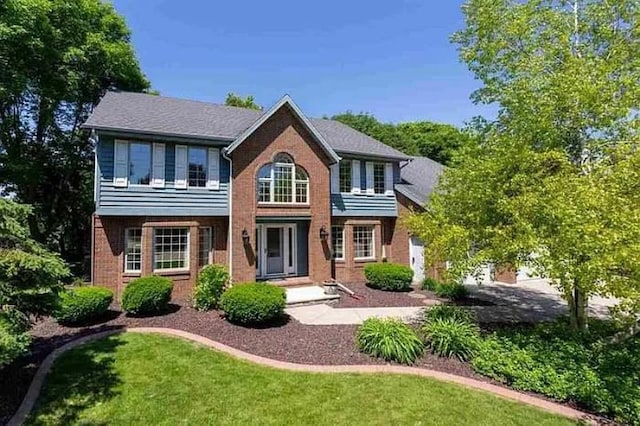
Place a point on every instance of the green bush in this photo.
(147, 295)
(13, 343)
(451, 336)
(452, 291)
(551, 360)
(82, 304)
(430, 284)
(389, 276)
(443, 311)
(389, 339)
(253, 303)
(212, 281)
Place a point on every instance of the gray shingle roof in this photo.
(419, 178)
(142, 113)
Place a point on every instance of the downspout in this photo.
(230, 195)
(96, 187)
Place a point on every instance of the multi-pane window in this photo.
(378, 178)
(363, 242)
(283, 182)
(337, 241)
(204, 246)
(133, 250)
(345, 176)
(197, 167)
(139, 163)
(171, 248)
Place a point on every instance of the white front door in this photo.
(277, 249)
(416, 254)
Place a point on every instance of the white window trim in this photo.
(126, 244)
(373, 243)
(186, 267)
(210, 255)
(271, 180)
(343, 242)
(350, 189)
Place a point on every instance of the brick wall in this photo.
(109, 240)
(282, 132)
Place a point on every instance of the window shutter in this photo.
(181, 167)
(388, 178)
(335, 178)
(355, 176)
(121, 163)
(158, 166)
(369, 178)
(213, 171)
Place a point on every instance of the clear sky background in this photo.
(391, 58)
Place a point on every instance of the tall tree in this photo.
(57, 58)
(238, 101)
(552, 184)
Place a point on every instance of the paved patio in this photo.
(327, 315)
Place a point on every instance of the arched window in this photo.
(282, 182)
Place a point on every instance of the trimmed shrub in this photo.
(389, 276)
(82, 304)
(443, 311)
(451, 337)
(212, 280)
(389, 339)
(453, 291)
(253, 303)
(430, 284)
(147, 295)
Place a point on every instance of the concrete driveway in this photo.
(527, 301)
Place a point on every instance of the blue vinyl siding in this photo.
(149, 201)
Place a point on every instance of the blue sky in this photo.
(390, 58)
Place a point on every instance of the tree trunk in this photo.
(578, 310)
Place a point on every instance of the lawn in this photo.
(150, 379)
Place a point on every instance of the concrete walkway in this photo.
(36, 385)
(326, 315)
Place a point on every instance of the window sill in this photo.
(131, 273)
(285, 205)
(365, 260)
(171, 271)
(341, 260)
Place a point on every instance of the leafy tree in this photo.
(551, 184)
(238, 101)
(57, 58)
(425, 138)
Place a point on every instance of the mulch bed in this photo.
(289, 341)
(372, 298)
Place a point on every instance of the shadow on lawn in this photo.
(80, 379)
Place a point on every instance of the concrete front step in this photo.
(308, 294)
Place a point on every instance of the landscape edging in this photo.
(36, 384)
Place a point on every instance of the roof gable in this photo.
(285, 101)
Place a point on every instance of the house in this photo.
(272, 194)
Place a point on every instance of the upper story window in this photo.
(139, 163)
(282, 182)
(379, 178)
(197, 167)
(345, 176)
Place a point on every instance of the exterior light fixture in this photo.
(323, 233)
(245, 236)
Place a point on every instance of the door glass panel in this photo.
(275, 259)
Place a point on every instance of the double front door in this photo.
(276, 250)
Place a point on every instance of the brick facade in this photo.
(282, 132)
(109, 244)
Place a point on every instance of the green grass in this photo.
(151, 379)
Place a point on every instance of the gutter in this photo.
(223, 151)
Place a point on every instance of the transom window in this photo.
(337, 241)
(133, 250)
(283, 182)
(363, 242)
(345, 176)
(204, 246)
(197, 167)
(171, 248)
(378, 178)
(139, 163)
